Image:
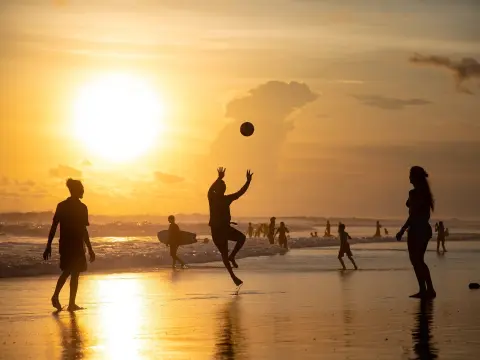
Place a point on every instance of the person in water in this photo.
(174, 241)
(344, 246)
(220, 221)
(378, 230)
(441, 234)
(72, 215)
(420, 202)
(271, 230)
(250, 230)
(282, 232)
(327, 229)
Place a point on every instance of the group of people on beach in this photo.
(72, 215)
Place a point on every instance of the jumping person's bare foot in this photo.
(74, 307)
(430, 294)
(56, 303)
(237, 281)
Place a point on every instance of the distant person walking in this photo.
(220, 221)
(282, 232)
(174, 241)
(344, 246)
(72, 215)
(441, 235)
(271, 231)
(378, 230)
(327, 229)
(420, 202)
(250, 230)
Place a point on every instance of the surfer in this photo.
(282, 232)
(420, 202)
(271, 230)
(72, 215)
(220, 221)
(441, 234)
(344, 246)
(174, 241)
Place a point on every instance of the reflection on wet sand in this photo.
(230, 343)
(421, 334)
(72, 337)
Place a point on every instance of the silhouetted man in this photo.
(220, 220)
(72, 215)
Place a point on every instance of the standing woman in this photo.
(420, 202)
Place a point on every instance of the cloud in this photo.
(63, 171)
(388, 103)
(168, 178)
(463, 70)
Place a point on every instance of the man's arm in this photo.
(53, 229)
(243, 190)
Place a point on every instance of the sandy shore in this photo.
(295, 306)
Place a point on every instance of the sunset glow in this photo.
(118, 117)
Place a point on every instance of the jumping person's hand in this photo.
(221, 172)
(249, 175)
(91, 254)
(47, 254)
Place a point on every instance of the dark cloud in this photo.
(388, 103)
(463, 70)
(63, 172)
(269, 107)
(168, 178)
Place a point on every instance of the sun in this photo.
(118, 117)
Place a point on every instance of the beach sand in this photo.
(293, 306)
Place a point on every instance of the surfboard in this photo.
(186, 238)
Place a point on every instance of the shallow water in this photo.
(293, 306)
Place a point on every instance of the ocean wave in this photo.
(23, 257)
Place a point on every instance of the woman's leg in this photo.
(415, 259)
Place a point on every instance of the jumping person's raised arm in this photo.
(243, 190)
(216, 184)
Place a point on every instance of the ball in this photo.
(247, 128)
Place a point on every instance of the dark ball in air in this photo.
(247, 128)
(474, 286)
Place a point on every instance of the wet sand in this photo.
(293, 306)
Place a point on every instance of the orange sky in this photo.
(340, 110)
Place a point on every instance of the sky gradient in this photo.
(345, 96)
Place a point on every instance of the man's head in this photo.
(76, 188)
(171, 219)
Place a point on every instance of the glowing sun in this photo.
(118, 117)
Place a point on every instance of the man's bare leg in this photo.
(60, 282)
(226, 262)
(343, 264)
(72, 306)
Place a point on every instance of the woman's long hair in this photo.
(419, 179)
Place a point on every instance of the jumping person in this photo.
(420, 202)
(72, 215)
(344, 246)
(174, 241)
(220, 220)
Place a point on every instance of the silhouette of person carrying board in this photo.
(220, 221)
(174, 241)
(420, 202)
(72, 215)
